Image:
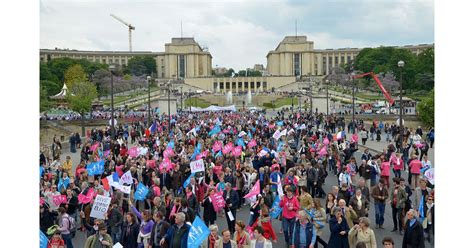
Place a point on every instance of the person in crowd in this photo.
(415, 169)
(210, 214)
(177, 234)
(360, 204)
(226, 240)
(115, 221)
(232, 202)
(428, 221)
(362, 233)
(65, 224)
(290, 206)
(260, 240)
(387, 242)
(398, 198)
(101, 239)
(56, 241)
(213, 238)
(380, 195)
(413, 236)
(241, 237)
(159, 230)
(130, 231)
(304, 232)
(339, 230)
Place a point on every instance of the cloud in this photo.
(238, 34)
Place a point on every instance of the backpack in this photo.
(72, 224)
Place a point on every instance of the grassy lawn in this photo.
(117, 100)
(282, 102)
(194, 101)
(369, 97)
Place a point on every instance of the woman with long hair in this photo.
(330, 204)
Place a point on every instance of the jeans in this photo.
(67, 240)
(397, 173)
(288, 226)
(379, 213)
(397, 217)
(116, 236)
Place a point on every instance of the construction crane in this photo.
(130, 28)
(377, 80)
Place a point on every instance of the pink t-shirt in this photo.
(397, 163)
(415, 166)
(385, 167)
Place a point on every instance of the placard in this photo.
(197, 166)
(101, 205)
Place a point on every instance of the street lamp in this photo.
(327, 97)
(169, 110)
(401, 64)
(353, 95)
(189, 99)
(181, 87)
(311, 96)
(111, 69)
(148, 78)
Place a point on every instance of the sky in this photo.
(238, 33)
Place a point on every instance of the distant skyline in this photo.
(238, 34)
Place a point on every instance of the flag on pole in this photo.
(153, 127)
(198, 232)
(254, 191)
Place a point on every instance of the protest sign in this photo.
(58, 199)
(197, 166)
(101, 205)
(198, 232)
(43, 240)
(218, 201)
(429, 174)
(126, 178)
(255, 190)
(133, 152)
(217, 146)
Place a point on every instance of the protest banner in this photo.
(126, 178)
(197, 166)
(217, 146)
(252, 143)
(83, 199)
(101, 205)
(58, 199)
(133, 152)
(218, 201)
(237, 151)
(198, 232)
(429, 174)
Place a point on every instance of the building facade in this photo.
(183, 58)
(296, 56)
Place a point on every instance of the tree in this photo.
(74, 74)
(101, 78)
(45, 104)
(51, 87)
(426, 109)
(142, 65)
(80, 99)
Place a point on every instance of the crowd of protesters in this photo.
(292, 166)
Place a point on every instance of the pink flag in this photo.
(133, 152)
(323, 151)
(151, 163)
(326, 141)
(168, 152)
(95, 146)
(217, 146)
(156, 190)
(41, 201)
(252, 143)
(166, 164)
(218, 201)
(355, 138)
(237, 151)
(228, 148)
(86, 198)
(226, 131)
(58, 199)
(202, 154)
(106, 153)
(271, 126)
(255, 190)
(298, 115)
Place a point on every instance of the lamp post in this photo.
(169, 110)
(148, 78)
(292, 105)
(401, 64)
(353, 94)
(327, 97)
(181, 87)
(111, 69)
(189, 101)
(311, 96)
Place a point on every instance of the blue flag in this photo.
(198, 232)
(63, 183)
(171, 144)
(218, 154)
(197, 128)
(280, 146)
(141, 192)
(188, 181)
(276, 208)
(95, 168)
(197, 150)
(100, 153)
(280, 123)
(41, 171)
(240, 142)
(157, 110)
(115, 177)
(249, 134)
(215, 130)
(421, 208)
(153, 127)
(43, 240)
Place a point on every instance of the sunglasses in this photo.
(430, 199)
